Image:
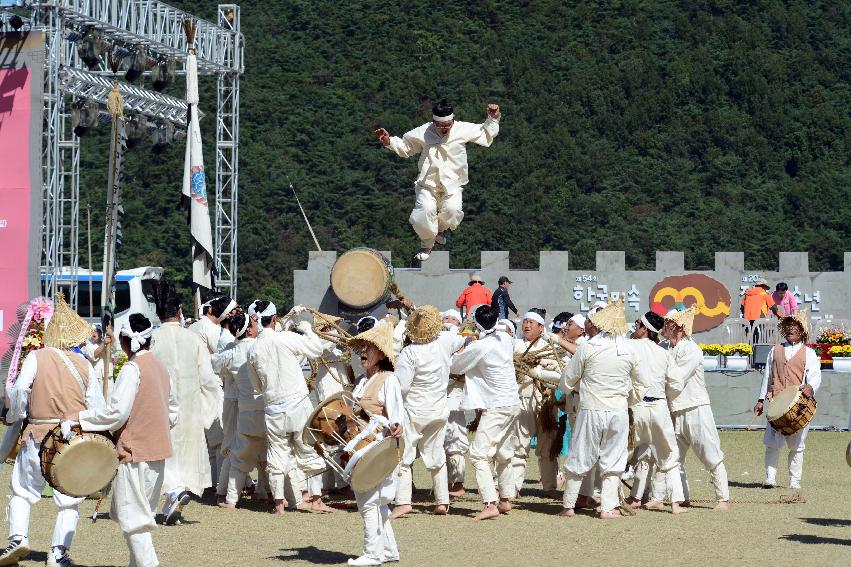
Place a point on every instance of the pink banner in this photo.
(14, 193)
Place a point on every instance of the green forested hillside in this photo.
(651, 125)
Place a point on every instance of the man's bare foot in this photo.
(586, 502)
(490, 511)
(280, 507)
(457, 490)
(567, 513)
(304, 506)
(613, 515)
(634, 502)
(504, 506)
(441, 510)
(722, 506)
(318, 505)
(227, 505)
(654, 505)
(400, 511)
(551, 494)
(677, 508)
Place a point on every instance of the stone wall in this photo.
(556, 286)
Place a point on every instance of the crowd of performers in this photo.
(207, 405)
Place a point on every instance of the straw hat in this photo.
(611, 319)
(66, 329)
(683, 319)
(424, 324)
(801, 318)
(475, 277)
(322, 320)
(380, 336)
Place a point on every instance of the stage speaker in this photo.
(760, 355)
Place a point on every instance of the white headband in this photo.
(268, 312)
(244, 326)
(451, 313)
(647, 324)
(443, 118)
(231, 306)
(532, 316)
(136, 337)
(578, 320)
(508, 325)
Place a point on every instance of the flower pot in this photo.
(711, 362)
(842, 364)
(736, 362)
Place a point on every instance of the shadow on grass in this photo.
(801, 538)
(736, 484)
(829, 522)
(313, 555)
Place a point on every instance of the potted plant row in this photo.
(735, 355)
(825, 341)
(841, 355)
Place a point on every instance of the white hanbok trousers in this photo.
(600, 439)
(435, 211)
(379, 541)
(289, 456)
(248, 451)
(27, 484)
(654, 428)
(456, 444)
(774, 441)
(494, 441)
(135, 494)
(695, 429)
(424, 433)
(230, 410)
(525, 428)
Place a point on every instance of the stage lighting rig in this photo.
(90, 48)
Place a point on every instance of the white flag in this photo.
(194, 195)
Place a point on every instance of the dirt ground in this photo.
(817, 532)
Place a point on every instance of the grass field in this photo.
(817, 532)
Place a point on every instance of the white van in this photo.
(134, 293)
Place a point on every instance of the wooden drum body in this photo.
(81, 466)
(790, 411)
(361, 278)
(332, 425)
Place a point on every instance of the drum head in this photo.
(375, 464)
(360, 278)
(780, 404)
(85, 465)
(308, 435)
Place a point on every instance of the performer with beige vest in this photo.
(491, 386)
(54, 384)
(274, 370)
(603, 369)
(423, 372)
(141, 412)
(688, 401)
(199, 395)
(789, 365)
(379, 396)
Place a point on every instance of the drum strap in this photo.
(73, 370)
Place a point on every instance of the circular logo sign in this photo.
(681, 292)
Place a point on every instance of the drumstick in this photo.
(398, 454)
(752, 420)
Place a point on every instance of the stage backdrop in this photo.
(21, 71)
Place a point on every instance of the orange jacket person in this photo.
(757, 301)
(474, 294)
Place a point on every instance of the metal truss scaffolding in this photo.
(158, 28)
(227, 158)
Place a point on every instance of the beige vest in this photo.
(786, 373)
(55, 393)
(145, 436)
(369, 400)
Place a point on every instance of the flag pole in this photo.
(310, 228)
